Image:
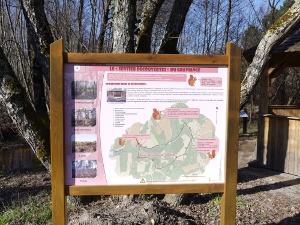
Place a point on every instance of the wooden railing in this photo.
(279, 147)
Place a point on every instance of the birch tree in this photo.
(276, 33)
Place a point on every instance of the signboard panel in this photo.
(144, 124)
(135, 124)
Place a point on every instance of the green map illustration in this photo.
(168, 153)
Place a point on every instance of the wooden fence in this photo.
(279, 139)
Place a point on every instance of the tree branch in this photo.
(34, 128)
(270, 41)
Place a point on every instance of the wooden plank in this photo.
(282, 139)
(292, 147)
(145, 189)
(297, 159)
(157, 59)
(284, 107)
(285, 141)
(291, 111)
(266, 122)
(289, 152)
(281, 147)
(279, 116)
(263, 109)
(57, 134)
(271, 145)
(284, 134)
(228, 202)
(281, 143)
(278, 149)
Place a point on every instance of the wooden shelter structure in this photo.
(278, 141)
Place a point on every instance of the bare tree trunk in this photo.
(104, 23)
(169, 45)
(227, 22)
(174, 26)
(92, 34)
(149, 14)
(32, 121)
(36, 82)
(205, 26)
(32, 126)
(40, 40)
(80, 31)
(216, 26)
(23, 76)
(123, 25)
(270, 41)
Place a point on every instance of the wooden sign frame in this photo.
(58, 57)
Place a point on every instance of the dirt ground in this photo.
(263, 197)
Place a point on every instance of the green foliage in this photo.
(216, 200)
(240, 201)
(272, 17)
(27, 211)
(215, 208)
(251, 37)
(253, 34)
(286, 5)
(280, 21)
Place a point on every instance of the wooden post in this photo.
(57, 134)
(245, 125)
(263, 122)
(232, 59)
(228, 202)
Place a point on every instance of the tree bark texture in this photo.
(270, 41)
(104, 24)
(227, 22)
(33, 127)
(40, 38)
(30, 112)
(145, 27)
(123, 26)
(174, 26)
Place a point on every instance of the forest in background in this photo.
(29, 26)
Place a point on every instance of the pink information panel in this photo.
(134, 124)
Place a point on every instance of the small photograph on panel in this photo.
(116, 95)
(84, 143)
(84, 89)
(83, 117)
(84, 169)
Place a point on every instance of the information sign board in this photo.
(144, 124)
(133, 124)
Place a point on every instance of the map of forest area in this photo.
(164, 148)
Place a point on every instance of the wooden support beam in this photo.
(228, 202)
(263, 109)
(59, 205)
